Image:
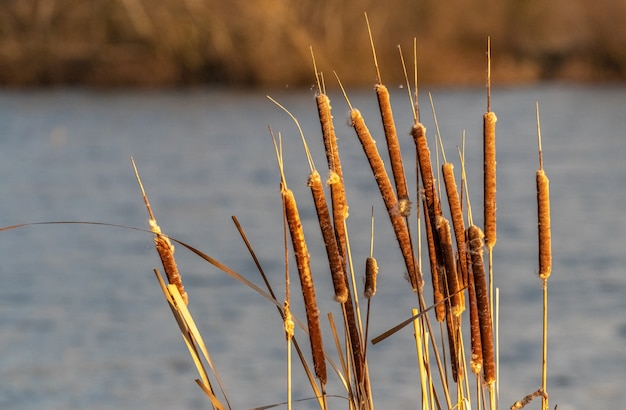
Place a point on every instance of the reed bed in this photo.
(457, 272)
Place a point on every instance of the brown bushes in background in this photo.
(171, 42)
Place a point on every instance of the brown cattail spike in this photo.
(306, 281)
(489, 152)
(164, 247)
(437, 280)
(475, 237)
(450, 266)
(393, 147)
(371, 271)
(543, 212)
(335, 180)
(457, 216)
(330, 241)
(545, 241)
(476, 361)
(389, 198)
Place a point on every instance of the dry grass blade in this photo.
(193, 340)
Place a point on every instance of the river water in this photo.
(83, 321)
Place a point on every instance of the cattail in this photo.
(371, 271)
(545, 241)
(389, 198)
(475, 237)
(306, 280)
(457, 216)
(393, 147)
(340, 210)
(489, 175)
(448, 259)
(330, 241)
(328, 133)
(476, 361)
(165, 250)
(433, 255)
(164, 247)
(426, 170)
(335, 180)
(453, 343)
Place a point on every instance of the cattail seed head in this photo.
(475, 237)
(371, 271)
(393, 145)
(450, 266)
(545, 240)
(330, 241)
(489, 174)
(389, 198)
(456, 213)
(302, 256)
(165, 250)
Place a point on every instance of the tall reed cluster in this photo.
(461, 278)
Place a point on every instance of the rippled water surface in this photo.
(83, 322)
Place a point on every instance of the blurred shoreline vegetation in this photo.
(152, 43)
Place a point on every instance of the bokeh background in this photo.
(174, 42)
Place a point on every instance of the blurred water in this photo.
(84, 324)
